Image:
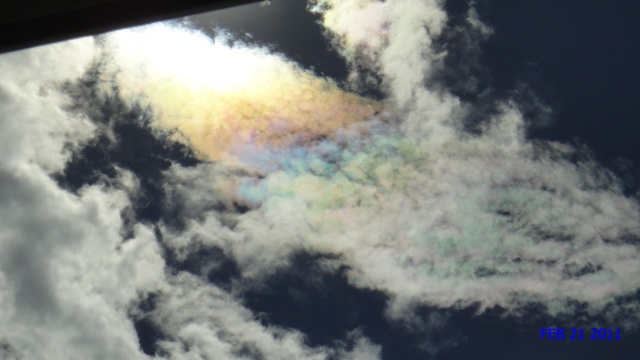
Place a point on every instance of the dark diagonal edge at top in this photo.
(37, 28)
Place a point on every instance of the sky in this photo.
(356, 179)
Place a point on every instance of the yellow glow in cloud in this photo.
(221, 97)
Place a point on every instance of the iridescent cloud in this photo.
(222, 97)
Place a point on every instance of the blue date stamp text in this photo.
(572, 334)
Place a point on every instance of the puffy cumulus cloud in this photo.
(401, 52)
(31, 108)
(362, 24)
(66, 278)
(222, 97)
(69, 281)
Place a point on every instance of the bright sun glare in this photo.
(221, 96)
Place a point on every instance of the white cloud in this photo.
(488, 218)
(419, 210)
(401, 52)
(212, 324)
(363, 349)
(474, 20)
(66, 279)
(34, 126)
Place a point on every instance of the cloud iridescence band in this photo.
(461, 219)
(221, 97)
